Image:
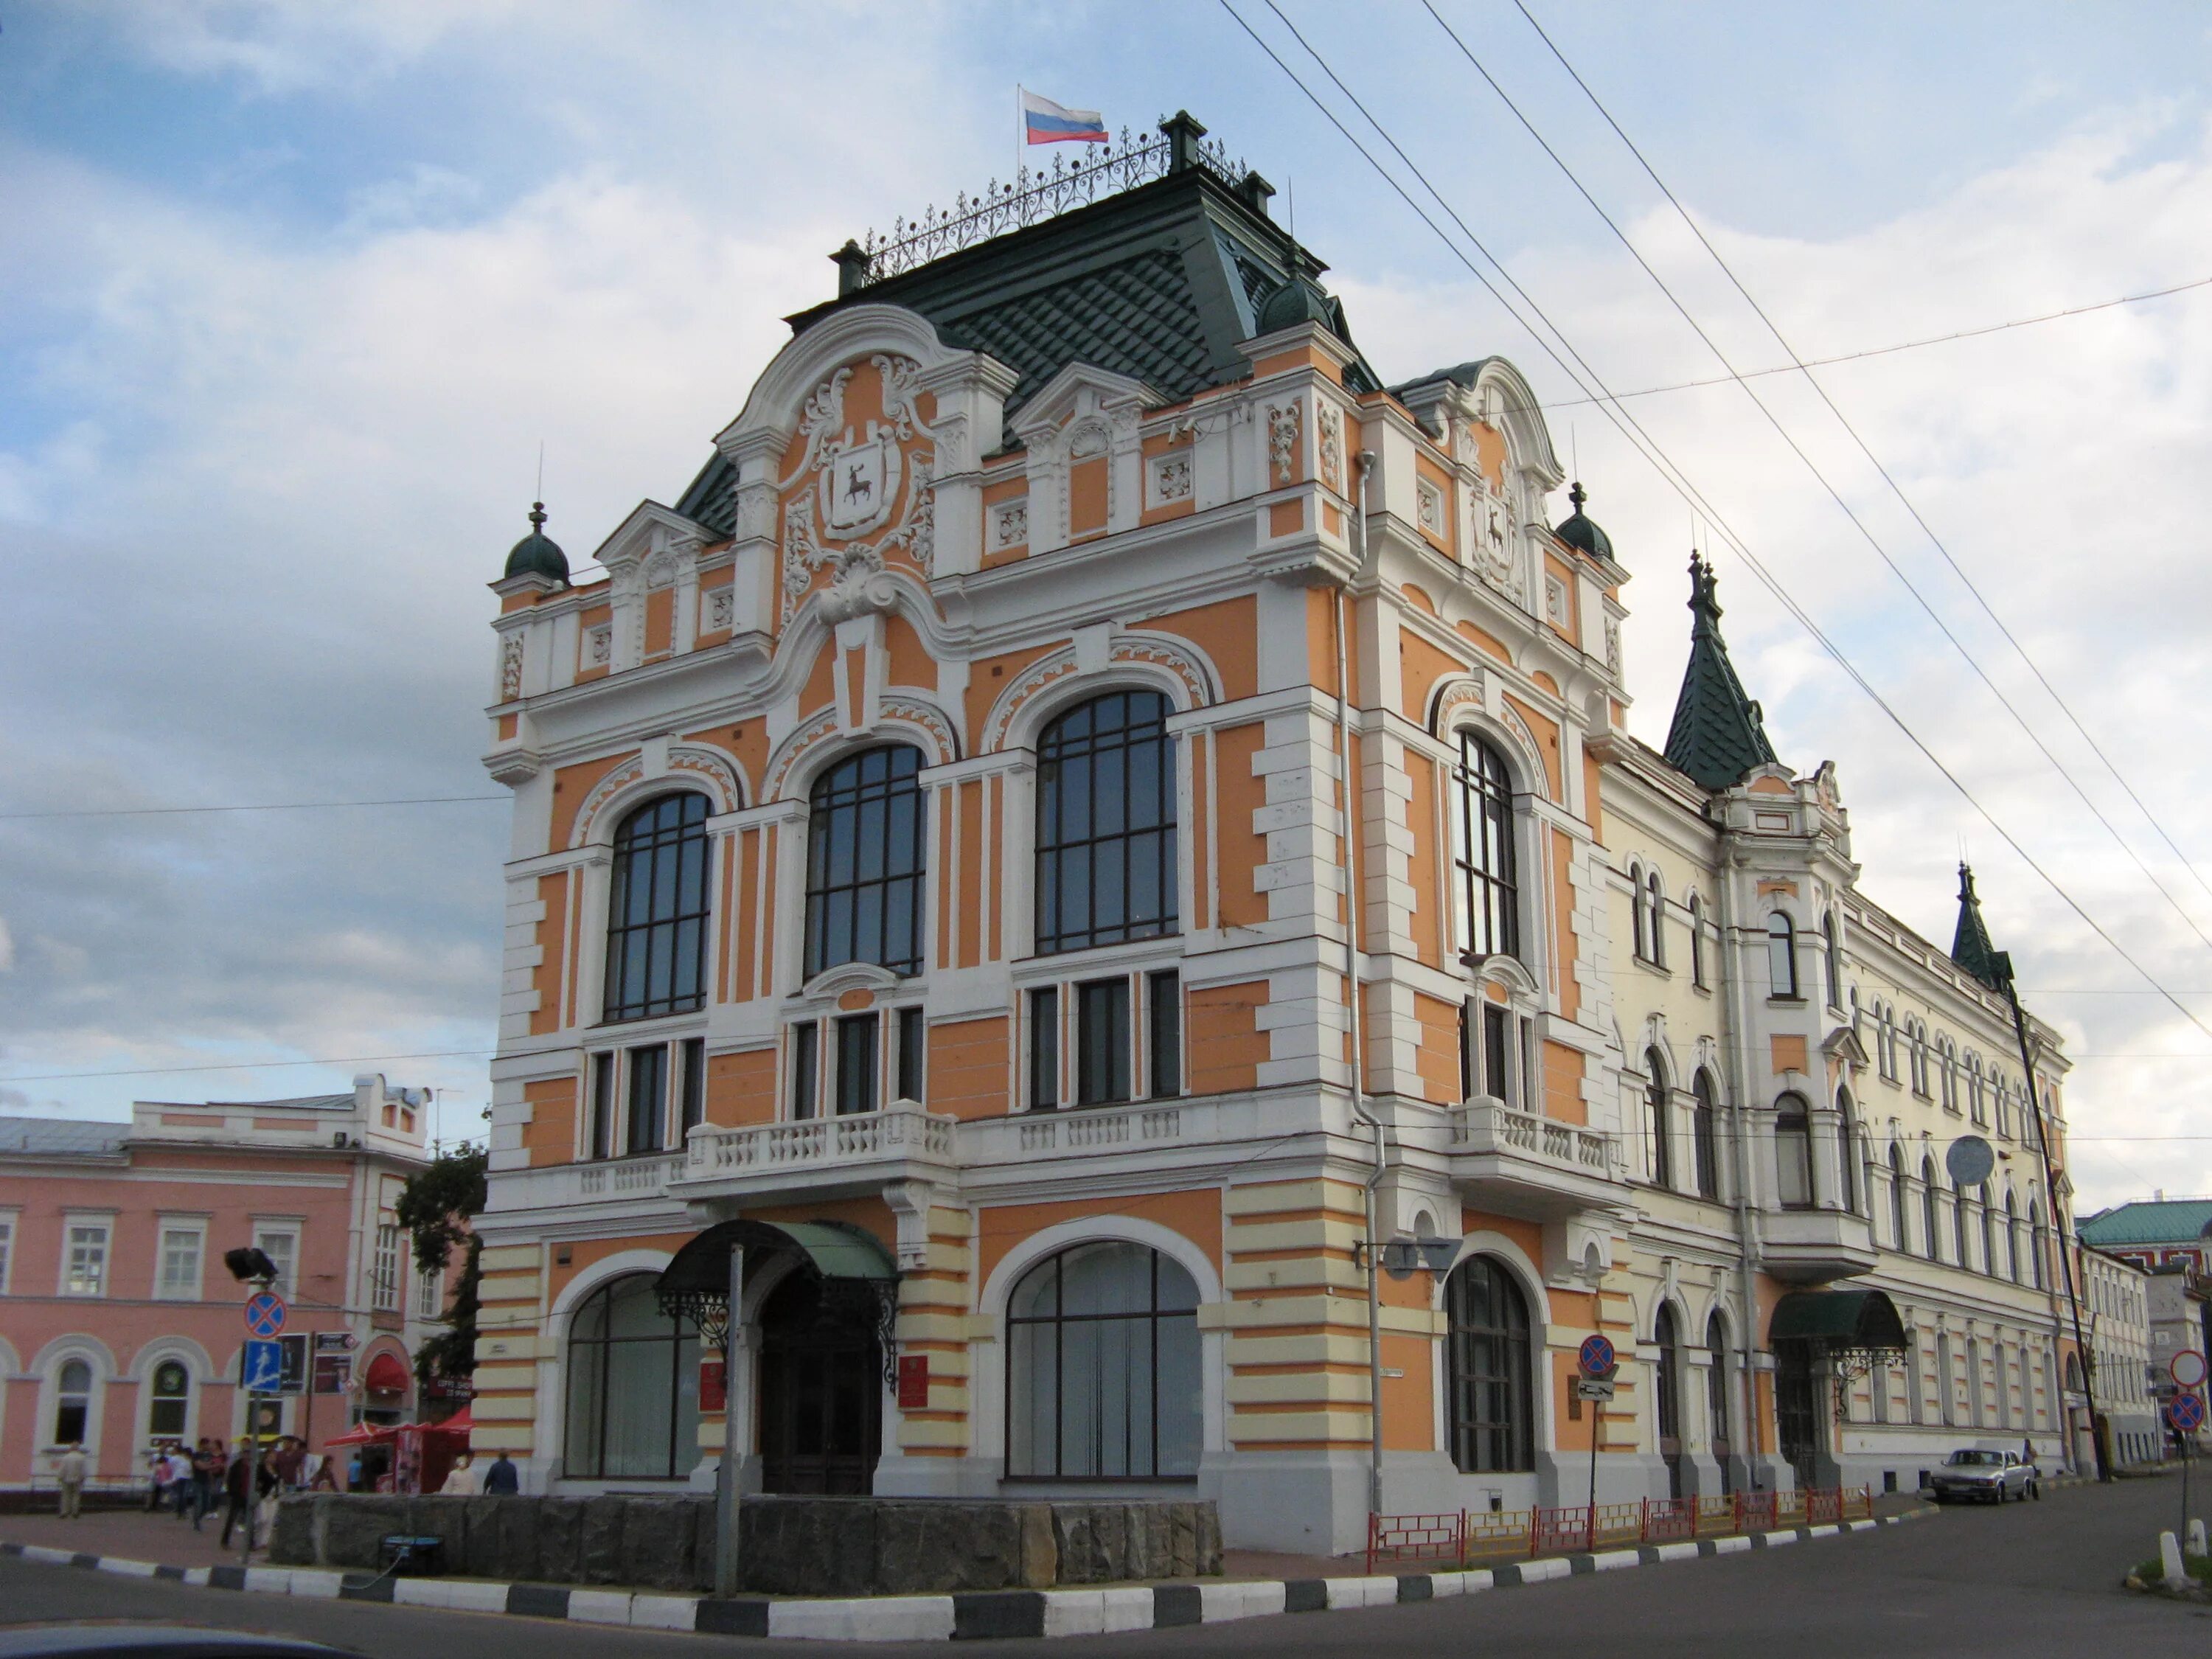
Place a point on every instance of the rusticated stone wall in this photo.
(790, 1545)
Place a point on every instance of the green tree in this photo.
(436, 1207)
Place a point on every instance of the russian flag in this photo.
(1044, 122)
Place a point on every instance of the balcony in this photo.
(1811, 1247)
(632, 1180)
(1520, 1164)
(816, 1158)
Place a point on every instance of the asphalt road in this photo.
(2026, 1580)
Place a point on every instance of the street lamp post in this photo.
(250, 1266)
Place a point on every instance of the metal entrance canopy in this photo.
(848, 1260)
(1838, 1320)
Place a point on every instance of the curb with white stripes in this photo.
(935, 1618)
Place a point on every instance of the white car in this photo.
(1992, 1477)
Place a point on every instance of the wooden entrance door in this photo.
(1797, 1409)
(821, 1391)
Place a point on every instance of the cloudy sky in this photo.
(296, 291)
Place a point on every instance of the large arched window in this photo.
(633, 1387)
(1847, 1155)
(168, 1408)
(864, 840)
(1793, 1152)
(1930, 1212)
(657, 917)
(1704, 1134)
(1781, 956)
(72, 1402)
(1658, 1101)
(1900, 1234)
(1492, 1415)
(1102, 1377)
(1106, 824)
(1489, 895)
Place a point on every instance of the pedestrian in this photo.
(207, 1476)
(462, 1480)
(70, 1470)
(502, 1479)
(290, 1453)
(241, 1491)
(177, 1479)
(157, 1461)
(325, 1479)
(353, 1472)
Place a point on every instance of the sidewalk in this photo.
(131, 1533)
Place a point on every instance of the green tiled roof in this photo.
(1718, 735)
(2171, 1221)
(1161, 283)
(1970, 946)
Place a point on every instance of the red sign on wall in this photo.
(914, 1382)
(713, 1393)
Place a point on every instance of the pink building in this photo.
(120, 1325)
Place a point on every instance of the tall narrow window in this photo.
(856, 1063)
(2012, 1238)
(1847, 1155)
(603, 1106)
(1696, 942)
(1831, 956)
(1716, 1394)
(281, 1246)
(1667, 1392)
(1488, 899)
(1959, 1226)
(913, 1055)
(1989, 1232)
(1931, 1220)
(87, 1273)
(864, 862)
(168, 1408)
(1102, 1043)
(72, 1402)
(1106, 824)
(1781, 956)
(1704, 1134)
(1658, 1108)
(384, 1270)
(1497, 1071)
(805, 1068)
(656, 915)
(1638, 921)
(1793, 1153)
(1164, 992)
(648, 1098)
(1044, 1049)
(1658, 923)
(181, 1248)
(1489, 1408)
(694, 1112)
(1900, 1234)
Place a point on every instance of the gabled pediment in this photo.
(649, 529)
(1078, 391)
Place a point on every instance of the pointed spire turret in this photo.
(1718, 735)
(1970, 946)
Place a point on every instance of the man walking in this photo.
(502, 1479)
(70, 1470)
(240, 1491)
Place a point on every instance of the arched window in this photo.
(1658, 1099)
(1103, 1376)
(1489, 897)
(1900, 1234)
(1667, 1394)
(1832, 955)
(1930, 1215)
(1636, 916)
(1847, 1155)
(1106, 824)
(2035, 1242)
(1704, 1134)
(865, 858)
(72, 1402)
(633, 1387)
(1959, 1226)
(1658, 923)
(1491, 1413)
(1974, 1381)
(1989, 1231)
(1781, 956)
(169, 1409)
(1697, 909)
(2012, 1237)
(657, 915)
(1947, 1380)
(1793, 1152)
(1716, 1394)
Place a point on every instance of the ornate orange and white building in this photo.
(952, 838)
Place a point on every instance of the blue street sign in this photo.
(261, 1371)
(2187, 1413)
(264, 1313)
(1596, 1357)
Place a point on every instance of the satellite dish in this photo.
(1969, 1161)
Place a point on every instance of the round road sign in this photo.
(2188, 1369)
(264, 1313)
(1596, 1357)
(2187, 1413)
(1969, 1161)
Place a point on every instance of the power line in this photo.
(1811, 466)
(267, 806)
(1895, 488)
(1890, 350)
(1632, 430)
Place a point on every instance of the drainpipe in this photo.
(1733, 1055)
(1356, 1048)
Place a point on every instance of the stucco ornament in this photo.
(854, 481)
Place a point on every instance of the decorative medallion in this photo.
(864, 478)
(1010, 524)
(1171, 477)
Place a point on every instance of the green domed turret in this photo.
(1578, 530)
(537, 554)
(1301, 300)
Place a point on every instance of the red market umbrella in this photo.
(361, 1434)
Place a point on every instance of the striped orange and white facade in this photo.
(810, 918)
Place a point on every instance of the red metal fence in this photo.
(1466, 1535)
